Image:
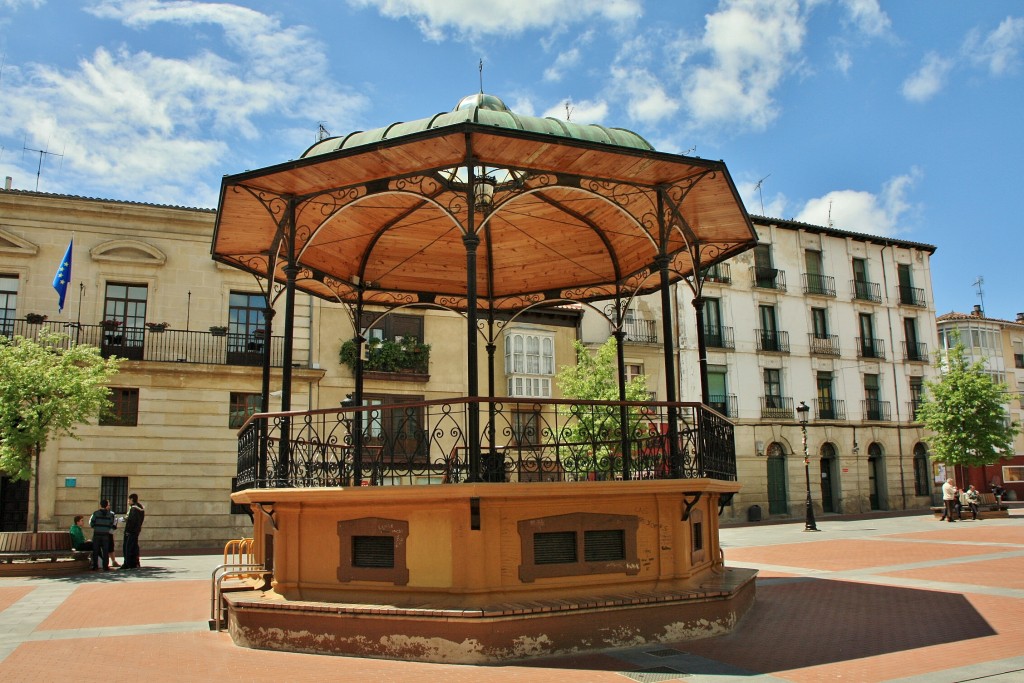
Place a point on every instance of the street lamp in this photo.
(802, 412)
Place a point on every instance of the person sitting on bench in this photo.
(78, 541)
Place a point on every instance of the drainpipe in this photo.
(895, 382)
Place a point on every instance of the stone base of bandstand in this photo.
(469, 580)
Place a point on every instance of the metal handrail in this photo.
(215, 581)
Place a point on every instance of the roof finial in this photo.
(481, 67)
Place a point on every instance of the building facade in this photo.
(194, 336)
(841, 321)
(999, 344)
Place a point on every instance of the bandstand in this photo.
(601, 530)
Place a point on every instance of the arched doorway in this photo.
(829, 491)
(922, 473)
(778, 502)
(876, 477)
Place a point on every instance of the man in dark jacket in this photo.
(102, 523)
(132, 529)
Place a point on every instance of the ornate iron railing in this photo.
(429, 443)
(160, 345)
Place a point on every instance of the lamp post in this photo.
(802, 412)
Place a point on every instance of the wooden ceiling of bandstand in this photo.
(583, 220)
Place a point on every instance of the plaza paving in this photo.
(877, 598)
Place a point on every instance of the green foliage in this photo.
(385, 355)
(48, 386)
(595, 378)
(964, 411)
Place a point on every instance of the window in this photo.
(765, 274)
(124, 408)
(874, 409)
(525, 428)
(826, 405)
(115, 489)
(718, 389)
(916, 395)
(769, 336)
(247, 328)
(815, 281)
(529, 363)
(915, 349)
(124, 319)
(242, 406)
(578, 544)
(1018, 354)
(397, 431)
(773, 388)
(819, 323)
(869, 346)
(8, 303)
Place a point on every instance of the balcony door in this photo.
(860, 279)
(713, 323)
(826, 406)
(867, 335)
(8, 303)
(247, 328)
(769, 328)
(124, 320)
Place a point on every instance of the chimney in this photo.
(7, 182)
(1020, 317)
(976, 313)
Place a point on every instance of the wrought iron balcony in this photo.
(915, 351)
(823, 345)
(719, 337)
(641, 331)
(720, 273)
(822, 285)
(911, 296)
(161, 346)
(723, 403)
(772, 340)
(870, 348)
(875, 411)
(768, 278)
(913, 407)
(521, 440)
(829, 409)
(777, 408)
(866, 291)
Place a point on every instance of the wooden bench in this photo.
(24, 552)
(988, 508)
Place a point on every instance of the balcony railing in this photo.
(870, 348)
(822, 285)
(823, 345)
(768, 278)
(829, 409)
(162, 346)
(866, 291)
(428, 443)
(874, 410)
(911, 296)
(720, 273)
(723, 403)
(913, 407)
(641, 331)
(719, 337)
(772, 340)
(915, 351)
(777, 408)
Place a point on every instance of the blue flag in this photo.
(63, 277)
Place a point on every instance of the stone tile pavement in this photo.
(876, 598)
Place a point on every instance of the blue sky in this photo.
(901, 119)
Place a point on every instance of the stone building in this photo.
(187, 386)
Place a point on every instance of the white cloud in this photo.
(922, 85)
(646, 98)
(753, 46)
(582, 112)
(132, 120)
(844, 62)
(864, 212)
(867, 16)
(563, 62)
(999, 51)
(16, 4)
(435, 18)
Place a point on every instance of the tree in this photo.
(964, 411)
(594, 431)
(48, 387)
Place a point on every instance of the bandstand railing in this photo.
(531, 441)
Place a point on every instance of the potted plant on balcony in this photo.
(111, 324)
(218, 330)
(35, 318)
(386, 355)
(157, 327)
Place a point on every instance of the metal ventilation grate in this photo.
(558, 547)
(604, 546)
(373, 551)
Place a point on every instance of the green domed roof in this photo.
(486, 110)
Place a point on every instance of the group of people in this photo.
(954, 500)
(103, 523)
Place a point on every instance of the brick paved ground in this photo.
(873, 599)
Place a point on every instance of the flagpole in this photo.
(78, 320)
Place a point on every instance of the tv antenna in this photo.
(981, 292)
(758, 188)
(42, 153)
(830, 213)
(690, 151)
(568, 110)
(480, 67)
(321, 132)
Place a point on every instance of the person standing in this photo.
(102, 522)
(132, 529)
(949, 500)
(78, 541)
